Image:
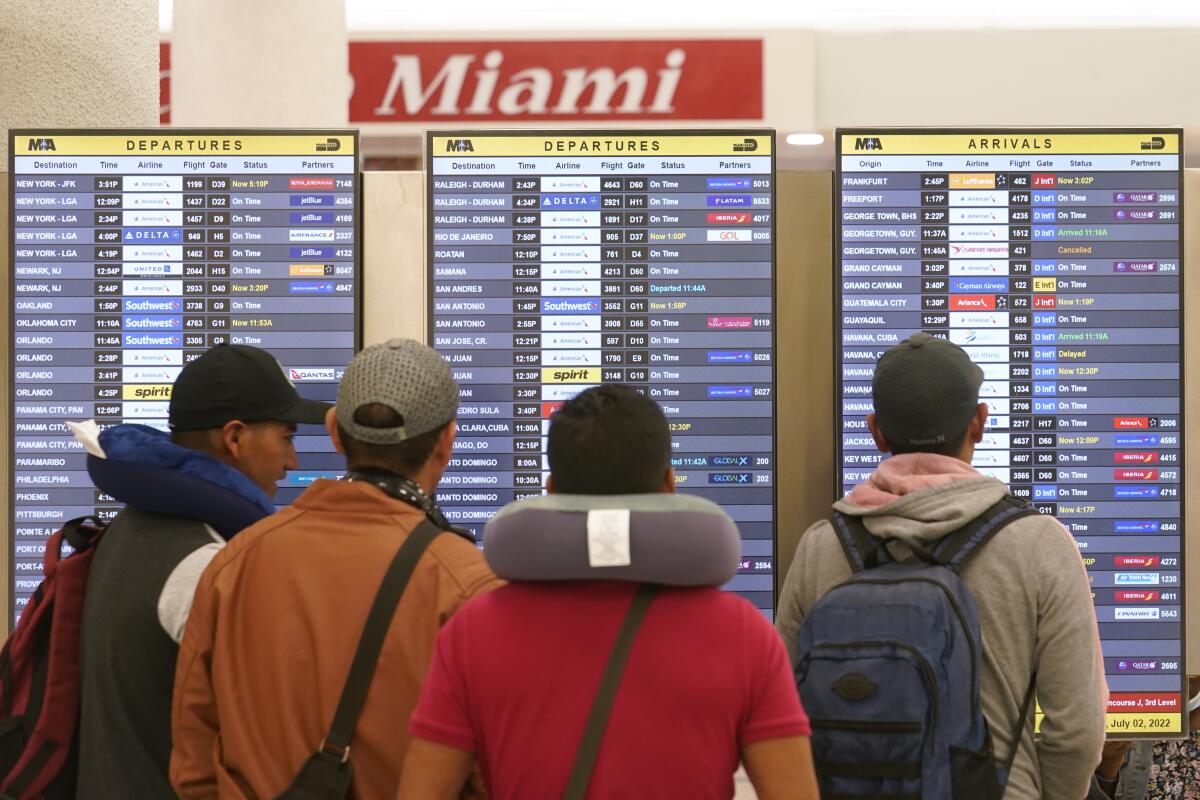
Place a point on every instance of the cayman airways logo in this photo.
(534, 90)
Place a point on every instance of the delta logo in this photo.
(1135, 458)
(1136, 562)
(725, 218)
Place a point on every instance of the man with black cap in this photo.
(278, 614)
(1034, 597)
(232, 415)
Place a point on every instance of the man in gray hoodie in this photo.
(1035, 603)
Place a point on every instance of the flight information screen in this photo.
(135, 251)
(563, 261)
(1053, 258)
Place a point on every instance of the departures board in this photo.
(560, 261)
(133, 252)
(1054, 258)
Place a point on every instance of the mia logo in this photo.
(459, 146)
(40, 144)
(867, 143)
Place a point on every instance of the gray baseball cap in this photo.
(925, 391)
(407, 377)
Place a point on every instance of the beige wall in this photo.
(394, 305)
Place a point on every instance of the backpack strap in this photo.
(857, 542)
(597, 721)
(1020, 726)
(957, 548)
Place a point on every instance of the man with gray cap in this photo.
(278, 614)
(1034, 597)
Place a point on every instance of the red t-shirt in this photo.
(515, 671)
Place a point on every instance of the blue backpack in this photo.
(889, 671)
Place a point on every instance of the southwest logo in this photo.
(868, 143)
(459, 146)
(40, 144)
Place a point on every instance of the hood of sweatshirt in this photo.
(920, 497)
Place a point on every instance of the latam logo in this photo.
(40, 144)
(867, 143)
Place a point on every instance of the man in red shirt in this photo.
(707, 683)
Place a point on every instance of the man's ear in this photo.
(880, 441)
(233, 435)
(331, 426)
(978, 423)
(445, 443)
(668, 486)
(549, 484)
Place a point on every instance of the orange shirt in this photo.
(274, 626)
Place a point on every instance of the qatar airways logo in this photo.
(533, 90)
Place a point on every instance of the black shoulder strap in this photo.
(1020, 726)
(857, 542)
(593, 731)
(370, 643)
(957, 548)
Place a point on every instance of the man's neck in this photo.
(421, 478)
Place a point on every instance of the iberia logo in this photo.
(1136, 561)
(725, 218)
(1135, 458)
(1135, 474)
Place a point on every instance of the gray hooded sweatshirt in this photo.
(1035, 608)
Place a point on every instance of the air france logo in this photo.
(868, 143)
(459, 146)
(40, 144)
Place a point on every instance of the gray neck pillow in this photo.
(673, 539)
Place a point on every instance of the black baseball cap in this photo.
(236, 381)
(925, 391)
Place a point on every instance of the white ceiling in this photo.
(514, 15)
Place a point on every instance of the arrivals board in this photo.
(135, 251)
(1054, 258)
(561, 261)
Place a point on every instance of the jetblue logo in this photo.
(459, 146)
(868, 143)
(40, 144)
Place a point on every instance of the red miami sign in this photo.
(561, 81)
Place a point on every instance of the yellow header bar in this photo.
(1009, 142)
(617, 145)
(168, 143)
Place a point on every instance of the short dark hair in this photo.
(609, 440)
(405, 458)
(951, 447)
